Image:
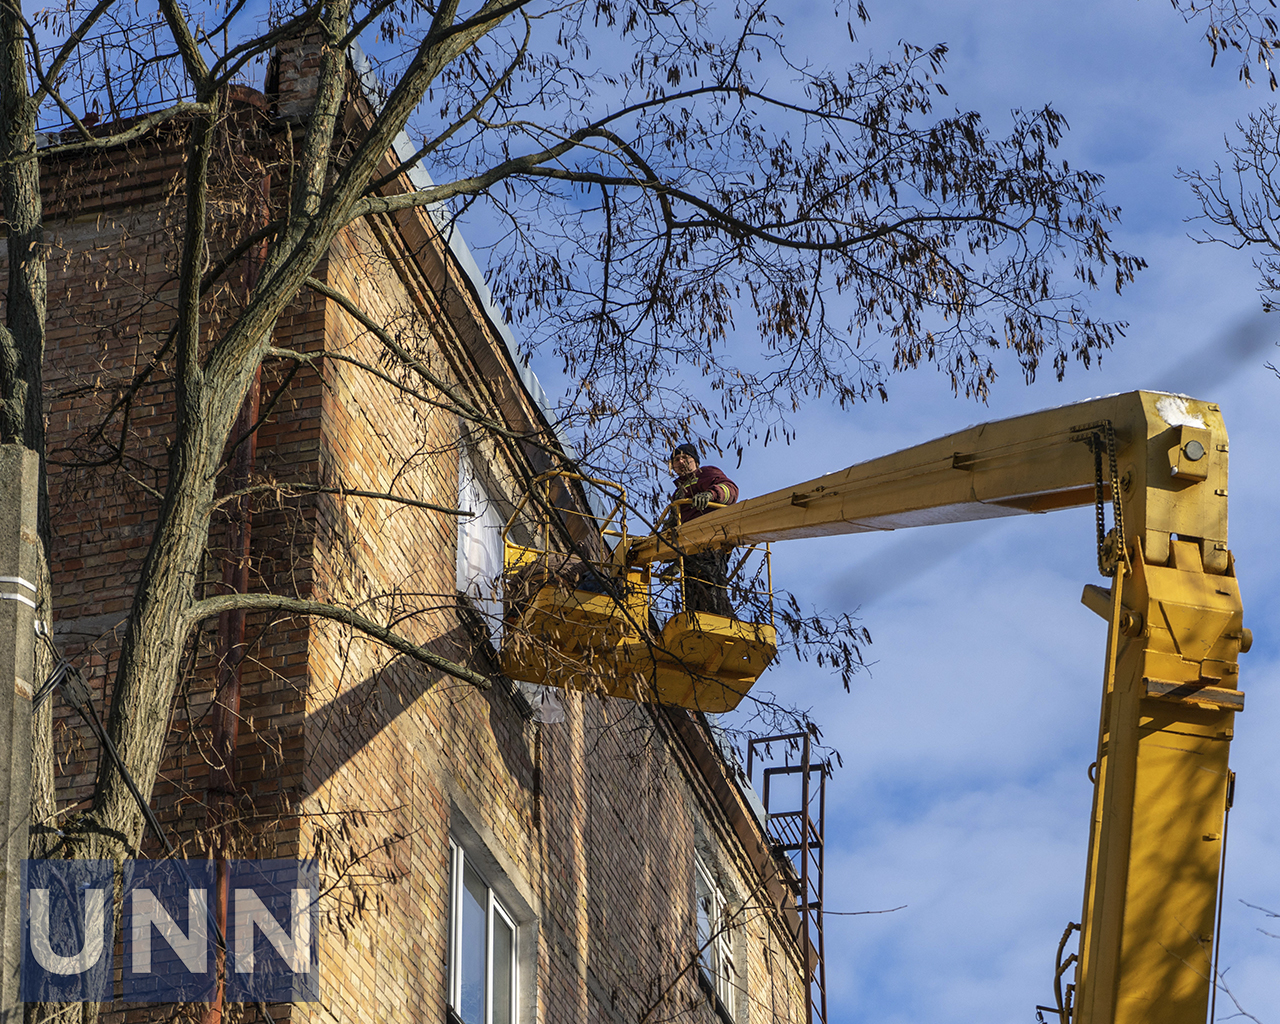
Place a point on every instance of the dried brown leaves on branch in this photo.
(1246, 30)
(730, 243)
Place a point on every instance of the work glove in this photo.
(701, 500)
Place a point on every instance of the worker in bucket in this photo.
(705, 573)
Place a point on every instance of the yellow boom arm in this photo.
(1025, 464)
(1171, 678)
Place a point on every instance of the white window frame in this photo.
(458, 863)
(717, 959)
(480, 549)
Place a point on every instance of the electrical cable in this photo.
(1222, 878)
(75, 690)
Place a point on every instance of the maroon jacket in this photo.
(708, 478)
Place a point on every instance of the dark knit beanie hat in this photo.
(686, 449)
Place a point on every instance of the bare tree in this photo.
(1241, 201)
(650, 198)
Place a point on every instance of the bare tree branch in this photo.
(210, 606)
(293, 486)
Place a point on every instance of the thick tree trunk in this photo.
(156, 635)
(154, 640)
(209, 395)
(22, 342)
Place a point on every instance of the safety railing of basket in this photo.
(538, 494)
(749, 579)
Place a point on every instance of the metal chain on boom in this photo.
(1098, 437)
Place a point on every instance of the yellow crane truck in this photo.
(1155, 467)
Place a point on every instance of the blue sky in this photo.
(963, 793)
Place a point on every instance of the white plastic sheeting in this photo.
(479, 547)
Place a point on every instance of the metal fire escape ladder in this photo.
(798, 833)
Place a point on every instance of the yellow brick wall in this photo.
(353, 753)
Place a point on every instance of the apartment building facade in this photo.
(489, 855)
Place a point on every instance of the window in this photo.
(480, 568)
(716, 960)
(479, 545)
(482, 941)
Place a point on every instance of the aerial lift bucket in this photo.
(586, 624)
(564, 614)
(701, 661)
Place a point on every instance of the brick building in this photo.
(480, 859)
